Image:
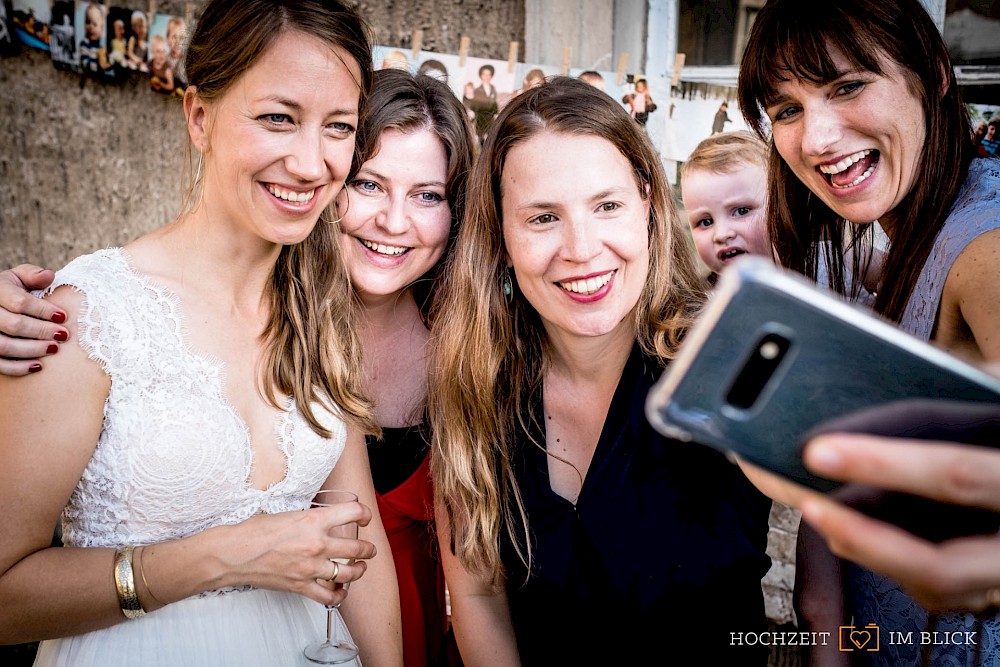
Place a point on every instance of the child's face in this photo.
(93, 25)
(159, 52)
(119, 29)
(726, 213)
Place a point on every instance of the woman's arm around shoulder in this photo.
(480, 615)
(371, 608)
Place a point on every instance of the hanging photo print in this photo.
(166, 42)
(62, 37)
(6, 29)
(137, 47)
(118, 28)
(90, 35)
(488, 86)
(31, 22)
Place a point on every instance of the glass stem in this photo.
(329, 624)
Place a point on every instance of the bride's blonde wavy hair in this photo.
(312, 349)
(488, 355)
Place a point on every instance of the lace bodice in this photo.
(174, 457)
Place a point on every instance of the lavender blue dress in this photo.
(875, 599)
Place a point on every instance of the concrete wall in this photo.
(583, 26)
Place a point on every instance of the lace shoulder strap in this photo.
(123, 318)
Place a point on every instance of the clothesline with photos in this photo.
(104, 42)
(107, 43)
(463, 72)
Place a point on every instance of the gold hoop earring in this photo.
(197, 174)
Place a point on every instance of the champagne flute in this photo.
(334, 651)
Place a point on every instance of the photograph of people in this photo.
(62, 37)
(90, 35)
(137, 51)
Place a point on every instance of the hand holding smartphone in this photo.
(773, 357)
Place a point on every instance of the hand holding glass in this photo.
(331, 651)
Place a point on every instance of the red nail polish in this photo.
(61, 336)
(58, 317)
(34, 368)
(52, 348)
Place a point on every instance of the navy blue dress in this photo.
(662, 555)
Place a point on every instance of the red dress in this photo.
(408, 516)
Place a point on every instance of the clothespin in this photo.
(463, 50)
(567, 52)
(678, 66)
(622, 64)
(417, 41)
(512, 56)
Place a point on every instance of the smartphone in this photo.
(773, 356)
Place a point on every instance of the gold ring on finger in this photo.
(336, 571)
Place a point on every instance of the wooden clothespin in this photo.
(678, 66)
(567, 53)
(512, 56)
(417, 41)
(622, 64)
(463, 50)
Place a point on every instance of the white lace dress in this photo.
(173, 459)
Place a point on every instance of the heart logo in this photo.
(860, 637)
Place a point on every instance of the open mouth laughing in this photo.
(852, 170)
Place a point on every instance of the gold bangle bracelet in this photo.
(142, 575)
(125, 583)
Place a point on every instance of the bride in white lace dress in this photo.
(215, 387)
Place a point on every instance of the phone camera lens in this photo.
(770, 350)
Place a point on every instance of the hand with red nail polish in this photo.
(28, 325)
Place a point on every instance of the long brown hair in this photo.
(488, 356)
(312, 351)
(792, 39)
